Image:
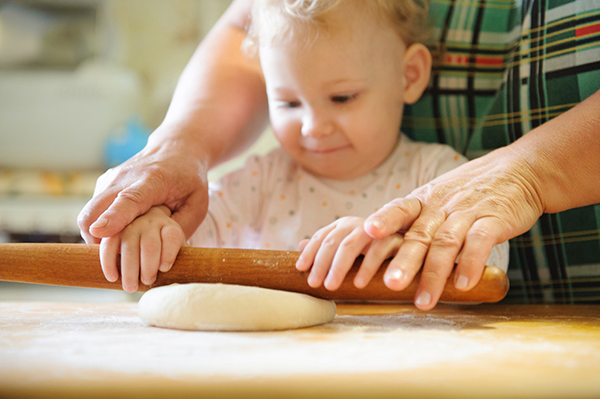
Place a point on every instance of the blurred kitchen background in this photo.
(82, 84)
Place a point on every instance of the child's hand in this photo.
(333, 249)
(149, 244)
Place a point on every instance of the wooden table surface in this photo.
(104, 350)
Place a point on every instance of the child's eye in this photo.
(288, 104)
(343, 99)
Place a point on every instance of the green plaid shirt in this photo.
(502, 68)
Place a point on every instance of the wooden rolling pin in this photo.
(78, 265)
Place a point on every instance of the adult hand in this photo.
(163, 173)
(472, 208)
(490, 200)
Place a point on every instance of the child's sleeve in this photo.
(437, 159)
(499, 256)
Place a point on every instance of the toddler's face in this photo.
(336, 107)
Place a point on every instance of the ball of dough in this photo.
(222, 307)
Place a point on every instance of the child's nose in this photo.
(316, 124)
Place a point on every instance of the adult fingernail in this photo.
(102, 222)
(377, 223)
(423, 299)
(462, 282)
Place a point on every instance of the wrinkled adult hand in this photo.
(165, 172)
(472, 208)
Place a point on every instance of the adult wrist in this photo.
(179, 140)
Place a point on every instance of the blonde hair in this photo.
(284, 20)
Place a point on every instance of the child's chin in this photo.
(334, 174)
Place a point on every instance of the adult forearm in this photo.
(219, 106)
(564, 157)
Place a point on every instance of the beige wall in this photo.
(156, 38)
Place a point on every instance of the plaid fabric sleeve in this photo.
(503, 67)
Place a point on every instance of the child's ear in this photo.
(417, 69)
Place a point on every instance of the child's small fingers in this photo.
(109, 250)
(378, 252)
(150, 249)
(307, 257)
(349, 249)
(172, 240)
(322, 265)
(303, 245)
(371, 263)
(130, 262)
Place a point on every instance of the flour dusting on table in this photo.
(112, 338)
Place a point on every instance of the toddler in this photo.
(337, 75)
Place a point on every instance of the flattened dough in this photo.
(222, 307)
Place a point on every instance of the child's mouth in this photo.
(325, 151)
